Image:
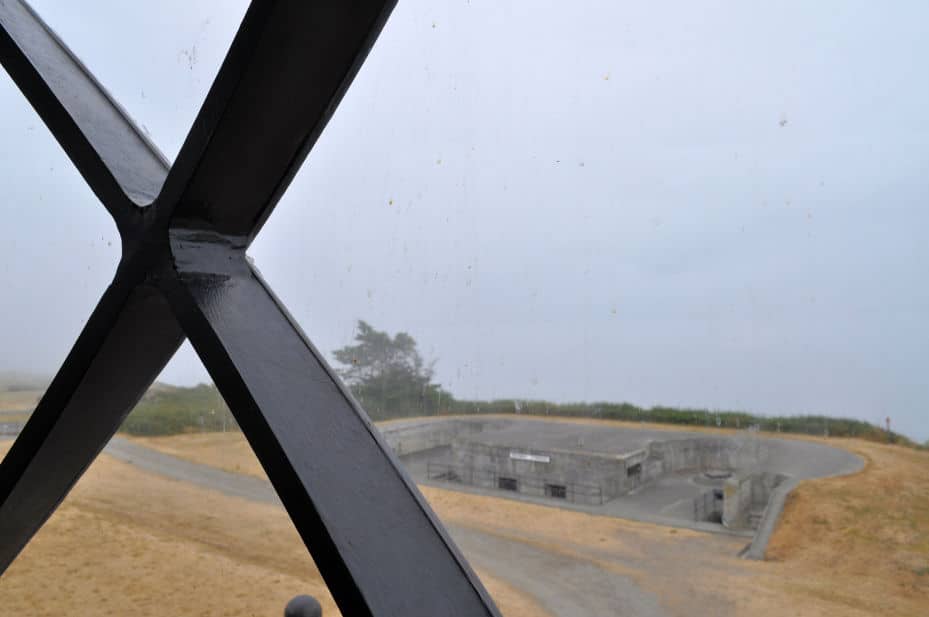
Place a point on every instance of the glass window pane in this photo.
(631, 292)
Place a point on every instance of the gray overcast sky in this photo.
(717, 204)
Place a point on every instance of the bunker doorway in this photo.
(507, 484)
(634, 475)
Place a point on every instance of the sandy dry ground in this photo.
(19, 399)
(130, 543)
(13, 417)
(227, 451)
(856, 545)
(859, 543)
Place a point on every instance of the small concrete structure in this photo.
(745, 498)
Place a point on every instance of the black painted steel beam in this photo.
(184, 271)
(127, 341)
(376, 542)
(286, 72)
(116, 159)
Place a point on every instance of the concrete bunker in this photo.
(701, 480)
(508, 455)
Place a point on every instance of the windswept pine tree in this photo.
(388, 376)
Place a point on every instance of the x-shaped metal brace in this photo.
(185, 229)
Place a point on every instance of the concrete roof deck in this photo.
(792, 457)
(601, 439)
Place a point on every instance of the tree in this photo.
(387, 374)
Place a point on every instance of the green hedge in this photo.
(806, 425)
(169, 411)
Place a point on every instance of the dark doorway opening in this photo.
(507, 484)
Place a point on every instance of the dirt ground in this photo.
(126, 542)
(855, 545)
(229, 451)
(860, 543)
(18, 400)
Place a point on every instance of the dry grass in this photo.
(854, 545)
(130, 543)
(651, 555)
(851, 545)
(14, 417)
(860, 542)
(228, 451)
(19, 399)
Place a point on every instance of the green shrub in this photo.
(169, 410)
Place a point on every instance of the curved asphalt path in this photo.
(564, 586)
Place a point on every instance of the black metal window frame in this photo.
(183, 273)
(506, 483)
(556, 491)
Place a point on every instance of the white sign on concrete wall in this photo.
(524, 456)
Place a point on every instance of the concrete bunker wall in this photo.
(410, 438)
(746, 496)
(703, 454)
(692, 454)
(579, 477)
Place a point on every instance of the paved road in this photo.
(566, 587)
(563, 585)
(14, 412)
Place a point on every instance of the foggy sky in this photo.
(685, 203)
